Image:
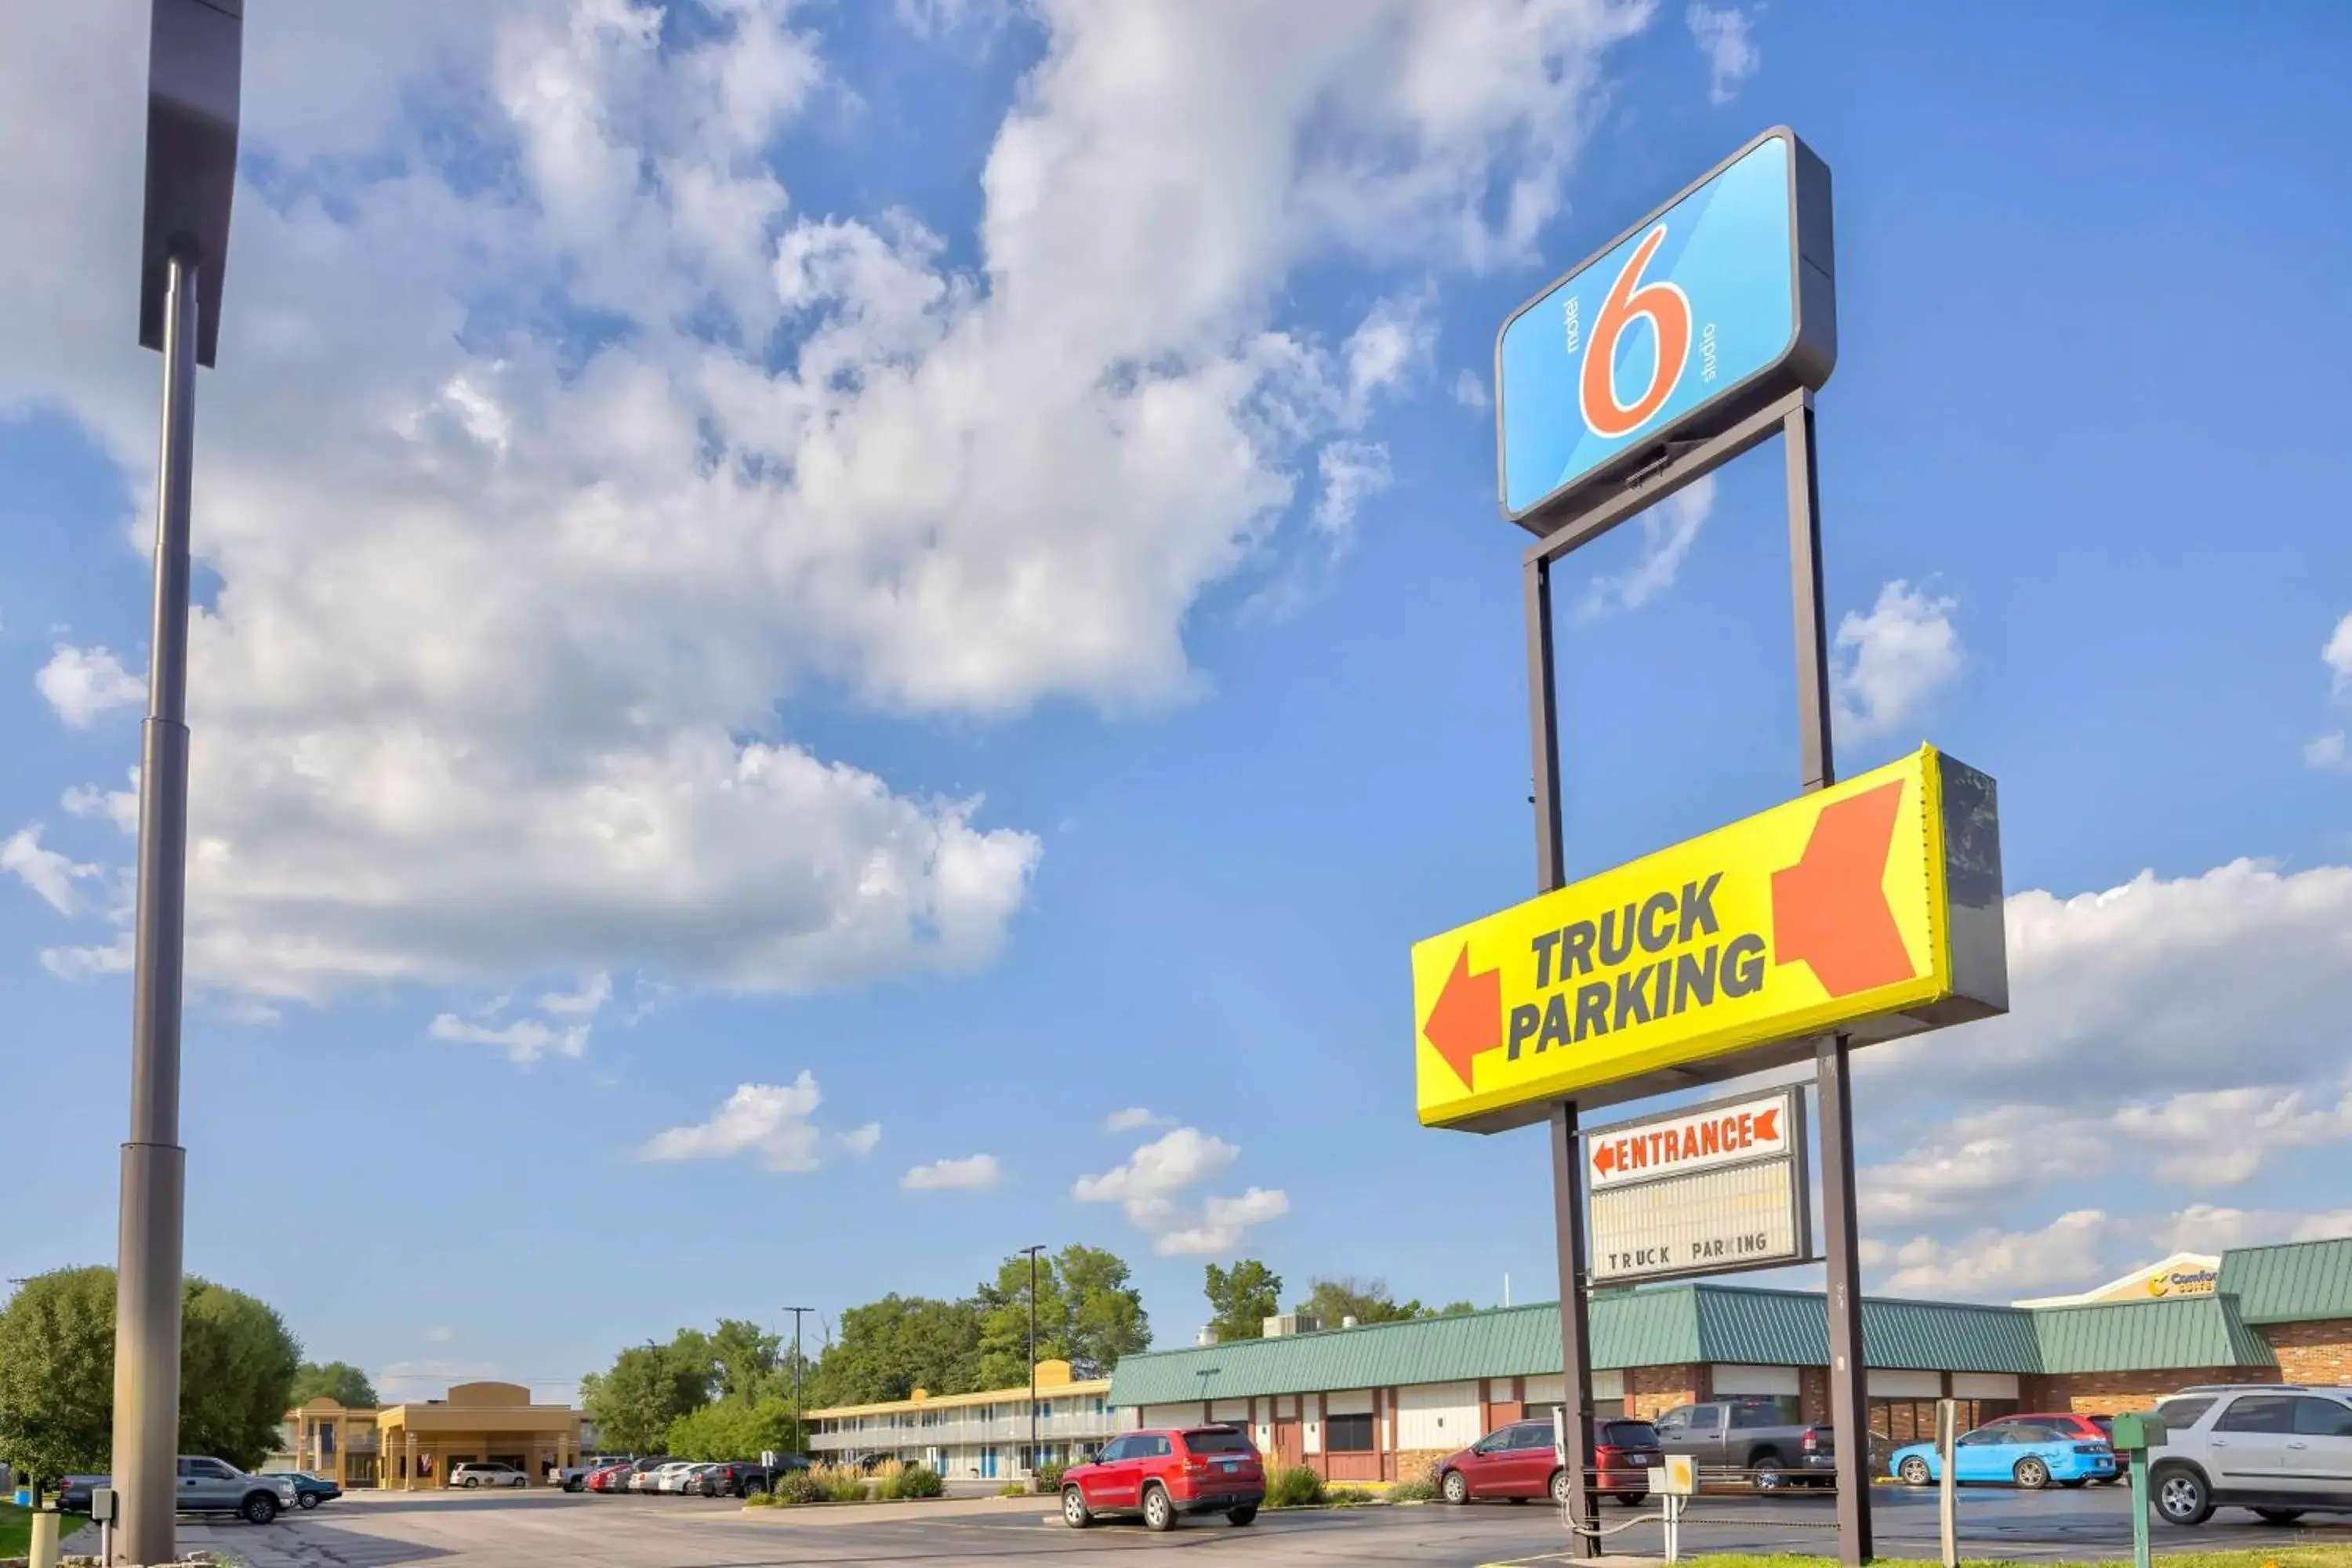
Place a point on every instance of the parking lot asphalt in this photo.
(544, 1530)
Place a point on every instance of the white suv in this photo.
(2282, 1449)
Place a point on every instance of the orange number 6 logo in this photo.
(1669, 308)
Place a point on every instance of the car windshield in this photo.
(1217, 1440)
(1629, 1434)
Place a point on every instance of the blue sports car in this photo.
(2028, 1451)
(308, 1490)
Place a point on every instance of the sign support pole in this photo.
(1567, 1156)
(1849, 1401)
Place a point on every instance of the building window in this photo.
(1914, 1420)
(1348, 1434)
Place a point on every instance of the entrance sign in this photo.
(1708, 1190)
(1871, 908)
(1700, 314)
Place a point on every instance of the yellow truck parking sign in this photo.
(1871, 907)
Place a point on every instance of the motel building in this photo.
(413, 1447)
(1381, 1402)
(972, 1436)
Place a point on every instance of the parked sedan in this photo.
(2028, 1451)
(1520, 1461)
(309, 1490)
(667, 1477)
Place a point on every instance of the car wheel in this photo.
(306, 1500)
(1633, 1499)
(2278, 1515)
(1158, 1507)
(756, 1486)
(2182, 1498)
(1075, 1511)
(1767, 1475)
(260, 1508)
(1914, 1472)
(1457, 1488)
(470, 1482)
(1558, 1489)
(1245, 1514)
(2031, 1474)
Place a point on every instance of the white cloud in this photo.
(517, 712)
(767, 1122)
(1133, 1118)
(2220, 1137)
(88, 962)
(2337, 656)
(1978, 1161)
(861, 1139)
(2327, 752)
(54, 877)
(1888, 664)
(594, 992)
(1668, 532)
(117, 808)
(976, 1174)
(83, 683)
(1723, 36)
(2167, 984)
(440, 1334)
(1223, 1224)
(1470, 391)
(1150, 1187)
(1352, 472)
(1387, 347)
(2209, 1227)
(524, 1041)
(1996, 1265)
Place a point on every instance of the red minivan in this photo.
(1165, 1475)
(1518, 1461)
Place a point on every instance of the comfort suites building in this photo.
(1379, 1402)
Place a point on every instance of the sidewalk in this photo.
(823, 1513)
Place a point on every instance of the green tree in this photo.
(56, 1374)
(890, 1348)
(743, 1361)
(1107, 1316)
(339, 1381)
(735, 1429)
(648, 1389)
(1004, 1321)
(1242, 1298)
(1452, 1309)
(238, 1364)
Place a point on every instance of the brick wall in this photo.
(1411, 1464)
(2313, 1353)
(1651, 1391)
(2105, 1393)
(1813, 1393)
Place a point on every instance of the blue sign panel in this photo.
(1700, 309)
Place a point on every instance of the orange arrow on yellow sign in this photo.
(1871, 907)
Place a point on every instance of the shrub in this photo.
(1348, 1497)
(1298, 1487)
(838, 1483)
(1422, 1489)
(921, 1481)
(1049, 1477)
(795, 1487)
(1013, 1489)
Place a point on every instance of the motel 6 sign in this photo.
(1710, 307)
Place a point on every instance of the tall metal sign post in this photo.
(1857, 913)
(194, 66)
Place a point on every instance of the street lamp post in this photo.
(193, 53)
(799, 1435)
(1032, 1252)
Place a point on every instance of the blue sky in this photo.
(950, 549)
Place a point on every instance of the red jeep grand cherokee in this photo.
(1164, 1475)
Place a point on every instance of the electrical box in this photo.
(105, 1505)
(2136, 1431)
(1681, 1476)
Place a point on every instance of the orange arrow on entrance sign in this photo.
(1468, 1017)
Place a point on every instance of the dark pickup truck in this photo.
(1750, 1439)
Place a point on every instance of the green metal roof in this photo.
(1659, 1327)
(2293, 1283)
(2186, 1333)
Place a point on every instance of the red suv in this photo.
(1164, 1475)
(1518, 1461)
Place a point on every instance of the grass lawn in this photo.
(15, 1530)
(2279, 1557)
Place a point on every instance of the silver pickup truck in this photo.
(205, 1485)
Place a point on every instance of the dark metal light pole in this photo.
(799, 1437)
(194, 48)
(1032, 1252)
